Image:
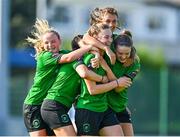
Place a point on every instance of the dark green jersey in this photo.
(97, 103)
(118, 101)
(46, 72)
(65, 88)
(114, 36)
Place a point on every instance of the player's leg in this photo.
(110, 125)
(127, 129)
(41, 132)
(115, 130)
(124, 118)
(33, 120)
(65, 131)
(87, 122)
(56, 116)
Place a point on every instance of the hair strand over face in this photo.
(40, 28)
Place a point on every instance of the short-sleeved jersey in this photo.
(65, 88)
(118, 101)
(97, 103)
(46, 72)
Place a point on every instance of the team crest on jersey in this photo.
(86, 127)
(36, 123)
(64, 118)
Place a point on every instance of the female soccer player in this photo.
(92, 115)
(127, 65)
(47, 43)
(62, 94)
(109, 16)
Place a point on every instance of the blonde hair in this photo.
(40, 28)
(95, 29)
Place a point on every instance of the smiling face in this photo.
(110, 20)
(105, 36)
(51, 42)
(123, 53)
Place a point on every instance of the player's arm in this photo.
(124, 82)
(108, 70)
(134, 69)
(66, 58)
(90, 40)
(95, 89)
(132, 72)
(86, 73)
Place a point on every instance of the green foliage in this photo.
(151, 57)
(23, 14)
(66, 44)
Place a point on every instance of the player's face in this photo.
(51, 42)
(123, 53)
(110, 20)
(105, 36)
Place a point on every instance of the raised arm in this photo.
(66, 58)
(90, 40)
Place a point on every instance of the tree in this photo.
(22, 17)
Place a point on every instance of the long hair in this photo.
(40, 28)
(125, 39)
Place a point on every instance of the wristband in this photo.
(117, 83)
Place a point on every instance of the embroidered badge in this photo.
(36, 123)
(64, 118)
(86, 127)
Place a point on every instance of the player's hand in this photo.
(95, 62)
(105, 79)
(124, 82)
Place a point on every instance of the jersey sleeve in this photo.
(78, 62)
(133, 70)
(86, 60)
(49, 58)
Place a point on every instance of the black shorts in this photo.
(124, 116)
(89, 122)
(33, 120)
(55, 114)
